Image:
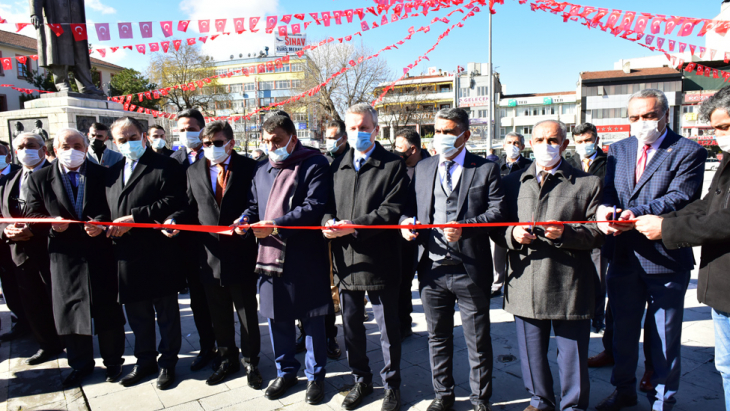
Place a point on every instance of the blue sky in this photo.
(533, 51)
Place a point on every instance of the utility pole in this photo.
(490, 126)
(456, 87)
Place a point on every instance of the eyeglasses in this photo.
(217, 143)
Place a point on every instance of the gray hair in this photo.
(57, 140)
(653, 93)
(362, 108)
(126, 122)
(561, 127)
(22, 136)
(518, 135)
(719, 101)
(457, 115)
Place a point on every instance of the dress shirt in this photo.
(192, 155)
(365, 156)
(651, 151)
(552, 171)
(510, 164)
(455, 168)
(129, 166)
(214, 173)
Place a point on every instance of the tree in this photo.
(356, 85)
(185, 66)
(131, 81)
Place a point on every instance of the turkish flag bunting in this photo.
(682, 47)
(252, 22)
(708, 71)
(22, 59)
(671, 23)
(282, 31)
(702, 52)
(692, 48)
(114, 49)
(687, 27)
(375, 25)
(166, 28)
(286, 18)
(628, 20)
(270, 22)
(649, 39)
(238, 23)
(384, 20)
(660, 42)
(712, 54)
(727, 57)
(56, 29)
(79, 31)
(641, 22)
(260, 68)
(176, 44)
(129, 98)
(215, 36)
(145, 27)
(245, 71)
(125, 30)
(165, 46)
(671, 45)
(326, 18)
(140, 96)
(306, 24)
(709, 25)
(141, 110)
(102, 52)
(348, 38)
(285, 59)
(148, 94)
(200, 83)
(349, 14)
(300, 16)
(34, 57)
(154, 47)
(182, 25)
(132, 107)
(715, 74)
(360, 13)
(269, 66)
(203, 26)
(315, 16)
(295, 29)
(279, 63)
(203, 39)
(102, 31)
(220, 25)
(20, 26)
(722, 28)
(612, 19)
(191, 41)
(127, 47)
(141, 48)
(337, 16)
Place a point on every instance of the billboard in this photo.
(473, 101)
(290, 44)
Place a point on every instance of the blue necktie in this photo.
(449, 187)
(358, 163)
(72, 177)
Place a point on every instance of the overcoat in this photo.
(59, 50)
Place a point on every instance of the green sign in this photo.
(512, 103)
(547, 101)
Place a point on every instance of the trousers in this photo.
(141, 318)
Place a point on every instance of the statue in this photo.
(59, 54)
(39, 130)
(18, 129)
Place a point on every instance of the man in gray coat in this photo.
(550, 283)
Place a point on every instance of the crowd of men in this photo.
(66, 282)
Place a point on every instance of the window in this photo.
(266, 85)
(444, 88)
(282, 69)
(502, 132)
(464, 92)
(447, 105)
(282, 84)
(502, 112)
(219, 72)
(249, 86)
(296, 84)
(526, 130)
(23, 69)
(266, 101)
(236, 88)
(297, 67)
(250, 102)
(300, 117)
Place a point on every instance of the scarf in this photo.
(272, 249)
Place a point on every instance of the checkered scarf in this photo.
(77, 201)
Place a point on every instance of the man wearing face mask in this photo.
(99, 153)
(369, 186)
(217, 191)
(83, 269)
(259, 155)
(551, 278)
(454, 264)
(146, 188)
(291, 190)
(189, 124)
(335, 140)
(157, 140)
(655, 171)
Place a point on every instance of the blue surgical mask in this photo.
(3, 163)
(133, 150)
(190, 139)
(585, 150)
(280, 154)
(445, 144)
(332, 145)
(359, 139)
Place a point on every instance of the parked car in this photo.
(712, 164)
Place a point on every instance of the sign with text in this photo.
(473, 101)
(697, 98)
(290, 44)
(614, 128)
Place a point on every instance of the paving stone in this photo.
(140, 397)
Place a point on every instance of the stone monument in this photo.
(39, 130)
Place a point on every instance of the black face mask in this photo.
(98, 145)
(402, 154)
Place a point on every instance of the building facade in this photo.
(520, 112)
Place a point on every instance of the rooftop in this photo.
(617, 74)
(29, 43)
(252, 60)
(557, 93)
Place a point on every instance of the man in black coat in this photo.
(29, 248)
(189, 124)
(145, 188)
(157, 139)
(454, 264)
(217, 189)
(83, 270)
(369, 187)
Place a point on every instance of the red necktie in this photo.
(641, 165)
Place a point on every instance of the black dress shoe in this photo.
(76, 376)
(113, 372)
(301, 345)
(333, 349)
(41, 356)
(166, 378)
(482, 407)
(18, 330)
(315, 392)
(616, 401)
(391, 400)
(278, 388)
(254, 377)
(203, 358)
(441, 404)
(357, 393)
(138, 374)
(226, 368)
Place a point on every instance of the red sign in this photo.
(696, 98)
(614, 129)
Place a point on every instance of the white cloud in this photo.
(97, 5)
(17, 12)
(234, 44)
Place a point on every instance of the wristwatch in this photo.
(276, 231)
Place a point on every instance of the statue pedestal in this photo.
(66, 110)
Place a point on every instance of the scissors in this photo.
(529, 227)
(414, 223)
(614, 213)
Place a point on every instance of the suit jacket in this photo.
(597, 167)
(552, 279)
(519, 165)
(480, 201)
(83, 270)
(37, 246)
(165, 152)
(227, 259)
(704, 223)
(154, 191)
(375, 195)
(303, 290)
(670, 181)
(181, 156)
(108, 158)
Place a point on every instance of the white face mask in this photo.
(647, 131)
(723, 142)
(546, 155)
(585, 150)
(28, 157)
(445, 144)
(512, 151)
(71, 159)
(158, 143)
(215, 155)
(190, 139)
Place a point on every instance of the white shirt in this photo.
(650, 153)
(552, 171)
(455, 168)
(129, 166)
(214, 173)
(192, 155)
(365, 156)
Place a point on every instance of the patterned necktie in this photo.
(358, 163)
(447, 181)
(543, 177)
(586, 164)
(220, 183)
(641, 165)
(24, 185)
